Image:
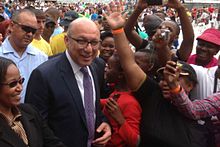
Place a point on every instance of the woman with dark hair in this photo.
(121, 108)
(20, 124)
(107, 47)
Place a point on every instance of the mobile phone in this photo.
(156, 2)
(116, 96)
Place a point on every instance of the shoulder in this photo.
(36, 52)
(27, 108)
(99, 61)
(52, 63)
(57, 37)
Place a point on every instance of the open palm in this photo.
(114, 17)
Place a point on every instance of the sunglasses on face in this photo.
(25, 28)
(14, 83)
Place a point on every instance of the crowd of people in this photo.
(87, 75)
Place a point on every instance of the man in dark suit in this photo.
(56, 88)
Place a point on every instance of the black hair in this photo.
(106, 34)
(150, 54)
(4, 64)
(16, 14)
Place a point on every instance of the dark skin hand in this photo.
(114, 110)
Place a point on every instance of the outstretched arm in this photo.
(131, 34)
(187, 30)
(196, 109)
(134, 75)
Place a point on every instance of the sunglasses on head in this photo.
(25, 28)
(14, 83)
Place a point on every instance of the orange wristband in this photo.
(175, 90)
(118, 31)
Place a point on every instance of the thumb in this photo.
(100, 128)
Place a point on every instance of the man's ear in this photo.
(66, 40)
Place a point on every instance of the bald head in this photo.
(82, 41)
(83, 25)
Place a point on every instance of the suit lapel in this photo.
(9, 136)
(70, 80)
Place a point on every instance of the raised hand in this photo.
(171, 74)
(114, 17)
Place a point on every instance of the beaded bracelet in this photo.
(175, 90)
(117, 31)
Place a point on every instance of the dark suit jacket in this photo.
(38, 133)
(53, 89)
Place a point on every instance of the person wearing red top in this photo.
(121, 108)
(207, 47)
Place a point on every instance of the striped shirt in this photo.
(197, 109)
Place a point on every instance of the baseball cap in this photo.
(153, 22)
(211, 35)
(69, 16)
(186, 70)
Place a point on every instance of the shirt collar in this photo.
(7, 48)
(15, 111)
(74, 66)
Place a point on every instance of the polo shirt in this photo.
(42, 45)
(57, 43)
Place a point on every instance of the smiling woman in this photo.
(16, 118)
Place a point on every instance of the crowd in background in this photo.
(116, 74)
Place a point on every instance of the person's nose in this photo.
(30, 34)
(41, 25)
(89, 47)
(19, 87)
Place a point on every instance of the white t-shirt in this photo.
(205, 84)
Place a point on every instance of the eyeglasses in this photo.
(25, 28)
(84, 43)
(14, 83)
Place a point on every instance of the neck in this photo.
(46, 37)
(201, 63)
(7, 111)
(37, 36)
(121, 87)
(19, 50)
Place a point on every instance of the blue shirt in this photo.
(57, 31)
(29, 60)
